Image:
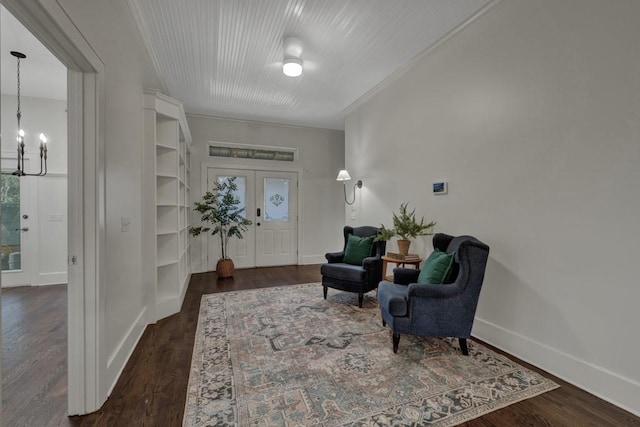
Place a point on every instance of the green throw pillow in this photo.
(436, 268)
(358, 248)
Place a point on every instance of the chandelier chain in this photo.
(19, 114)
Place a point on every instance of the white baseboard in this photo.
(313, 259)
(167, 307)
(614, 388)
(51, 278)
(196, 267)
(183, 291)
(119, 357)
(172, 305)
(306, 260)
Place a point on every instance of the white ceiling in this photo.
(224, 57)
(42, 75)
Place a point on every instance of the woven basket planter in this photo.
(225, 268)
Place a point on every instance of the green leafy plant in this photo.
(405, 225)
(220, 208)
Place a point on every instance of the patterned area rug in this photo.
(286, 357)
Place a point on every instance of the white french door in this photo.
(270, 199)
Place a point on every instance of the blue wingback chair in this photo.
(441, 310)
(354, 278)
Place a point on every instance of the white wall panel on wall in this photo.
(52, 230)
(531, 115)
(320, 157)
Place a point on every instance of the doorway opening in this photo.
(86, 188)
(34, 221)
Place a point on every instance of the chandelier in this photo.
(20, 171)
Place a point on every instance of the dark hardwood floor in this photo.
(34, 356)
(152, 388)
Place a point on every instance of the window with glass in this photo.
(240, 193)
(11, 233)
(276, 199)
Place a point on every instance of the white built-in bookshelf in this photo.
(166, 204)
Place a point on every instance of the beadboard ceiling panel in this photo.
(224, 57)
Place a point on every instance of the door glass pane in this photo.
(276, 199)
(11, 234)
(240, 193)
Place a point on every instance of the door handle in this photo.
(258, 224)
(23, 229)
(258, 213)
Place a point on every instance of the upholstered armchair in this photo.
(437, 309)
(345, 273)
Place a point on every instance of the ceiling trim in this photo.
(235, 119)
(138, 18)
(477, 17)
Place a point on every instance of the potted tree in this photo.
(220, 209)
(406, 227)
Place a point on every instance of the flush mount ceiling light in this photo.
(292, 67)
(292, 64)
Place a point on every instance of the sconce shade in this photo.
(343, 175)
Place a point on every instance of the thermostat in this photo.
(439, 188)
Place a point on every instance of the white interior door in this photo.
(270, 199)
(241, 251)
(277, 224)
(17, 251)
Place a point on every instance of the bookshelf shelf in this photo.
(167, 146)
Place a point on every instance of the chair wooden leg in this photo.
(396, 341)
(360, 299)
(324, 291)
(463, 346)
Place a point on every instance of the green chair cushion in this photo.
(358, 248)
(436, 268)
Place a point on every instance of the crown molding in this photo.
(138, 18)
(258, 122)
(477, 17)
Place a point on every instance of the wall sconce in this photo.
(344, 176)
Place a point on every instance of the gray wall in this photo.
(320, 157)
(531, 115)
